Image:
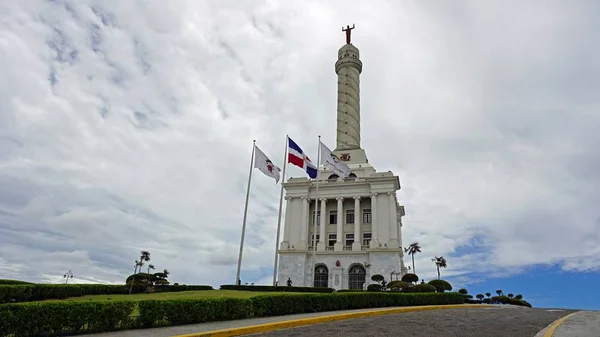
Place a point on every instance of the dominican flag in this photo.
(297, 157)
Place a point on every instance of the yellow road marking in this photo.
(556, 323)
(322, 319)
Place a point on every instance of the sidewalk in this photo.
(211, 326)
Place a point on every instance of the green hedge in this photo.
(64, 318)
(38, 292)
(55, 318)
(4, 281)
(272, 288)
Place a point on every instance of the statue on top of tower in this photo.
(348, 30)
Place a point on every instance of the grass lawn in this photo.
(176, 295)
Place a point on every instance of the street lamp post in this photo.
(67, 276)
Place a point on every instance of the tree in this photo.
(377, 278)
(463, 291)
(499, 292)
(519, 297)
(410, 278)
(412, 249)
(144, 257)
(488, 294)
(440, 262)
(440, 285)
(479, 296)
(150, 266)
(511, 295)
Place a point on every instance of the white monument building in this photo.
(359, 221)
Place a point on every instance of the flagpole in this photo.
(285, 161)
(237, 277)
(314, 253)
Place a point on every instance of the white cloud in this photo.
(126, 126)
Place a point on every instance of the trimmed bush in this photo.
(155, 313)
(410, 278)
(272, 288)
(440, 285)
(39, 292)
(519, 297)
(508, 300)
(55, 318)
(463, 291)
(350, 291)
(3, 281)
(398, 285)
(60, 318)
(374, 287)
(421, 288)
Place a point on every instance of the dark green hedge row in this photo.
(64, 318)
(54, 318)
(4, 281)
(38, 292)
(272, 288)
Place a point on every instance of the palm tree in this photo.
(144, 256)
(150, 266)
(412, 250)
(440, 262)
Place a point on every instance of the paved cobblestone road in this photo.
(506, 321)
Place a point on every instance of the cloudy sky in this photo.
(128, 125)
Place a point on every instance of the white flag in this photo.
(265, 165)
(331, 161)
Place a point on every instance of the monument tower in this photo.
(358, 218)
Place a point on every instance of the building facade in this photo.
(358, 219)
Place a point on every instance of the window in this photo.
(366, 239)
(350, 216)
(332, 217)
(333, 176)
(318, 217)
(332, 240)
(321, 276)
(367, 215)
(357, 277)
(349, 239)
(312, 239)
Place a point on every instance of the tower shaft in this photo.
(348, 68)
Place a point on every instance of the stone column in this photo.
(393, 222)
(374, 222)
(285, 244)
(323, 224)
(357, 220)
(302, 244)
(339, 244)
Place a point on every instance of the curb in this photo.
(253, 329)
(554, 325)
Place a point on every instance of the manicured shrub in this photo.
(519, 297)
(272, 288)
(410, 278)
(54, 318)
(374, 287)
(60, 318)
(350, 291)
(154, 313)
(398, 285)
(421, 288)
(377, 278)
(39, 292)
(463, 291)
(508, 300)
(3, 281)
(479, 296)
(440, 285)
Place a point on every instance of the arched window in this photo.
(333, 176)
(356, 277)
(321, 276)
(352, 175)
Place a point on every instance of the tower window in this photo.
(367, 215)
(332, 240)
(332, 217)
(349, 216)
